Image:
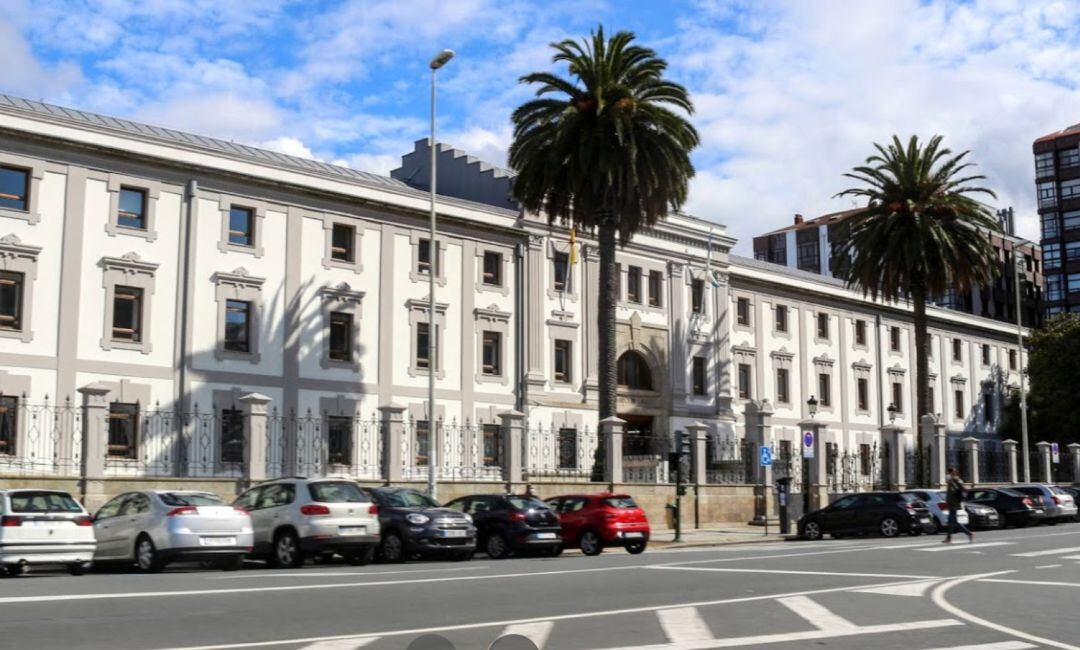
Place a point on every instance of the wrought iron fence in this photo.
(314, 444)
(559, 453)
(1062, 471)
(645, 458)
(858, 470)
(43, 439)
(993, 466)
(730, 461)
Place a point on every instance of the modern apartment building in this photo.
(1057, 184)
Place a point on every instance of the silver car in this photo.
(1059, 504)
(938, 504)
(155, 527)
(297, 518)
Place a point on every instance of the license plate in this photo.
(634, 535)
(455, 533)
(45, 524)
(219, 541)
(352, 530)
(545, 536)
(924, 520)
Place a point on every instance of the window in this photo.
(14, 188)
(1053, 288)
(697, 296)
(744, 381)
(242, 226)
(567, 448)
(11, 300)
(492, 269)
(423, 257)
(1047, 194)
(1044, 164)
(238, 326)
(132, 208)
(123, 430)
(633, 284)
(492, 446)
(1070, 189)
(1051, 257)
(782, 395)
(742, 310)
(338, 440)
(1012, 359)
(930, 398)
(341, 336)
(655, 283)
(958, 406)
(898, 396)
(808, 250)
(1072, 250)
(864, 459)
(423, 347)
(860, 332)
(1069, 220)
(863, 393)
(342, 239)
(823, 326)
(633, 371)
(698, 374)
(824, 389)
(988, 408)
(1050, 224)
(1066, 158)
(1072, 282)
(9, 421)
(423, 443)
(127, 314)
(894, 339)
(232, 436)
(985, 354)
(781, 318)
(491, 354)
(957, 350)
(562, 360)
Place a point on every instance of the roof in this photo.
(1071, 130)
(789, 271)
(824, 219)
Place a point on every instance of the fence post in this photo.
(1074, 456)
(1046, 468)
(934, 431)
(611, 431)
(392, 430)
(1013, 461)
(94, 442)
(893, 436)
(816, 480)
(971, 445)
(759, 432)
(513, 433)
(253, 405)
(699, 437)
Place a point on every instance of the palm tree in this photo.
(604, 151)
(920, 234)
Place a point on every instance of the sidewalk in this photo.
(716, 535)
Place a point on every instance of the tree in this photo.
(1053, 375)
(920, 234)
(606, 150)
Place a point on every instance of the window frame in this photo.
(862, 394)
(560, 261)
(135, 296)
(330, 222)
(860, 332)
(822, 324)
(824, 396)
(783, 386)
(568, 374)
(744, 381)
(9, 425)
(332, 422)
(491, 277)
(340, 319)
(35, 170)
(894, 339)
(133, 272)
(656, 288)
(126, 411)
(742, 311)
(342, 300)
(958, 404)
(493, 341)
(17, 280)
(697, 298)
(418, 316)
(243, 287)
(780, 318)
(633, 284)
(232, 417)
(699, 376)
(957, 350)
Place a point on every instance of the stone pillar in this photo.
(1074, 457)
(392, 430)
(1012, 460)
(611, 432)
(253, 406)
(817, 484)
(971, 446)
(535, 266)
(894, 436)
(95, 439)
(513, 436)
(680, 327)
(591, 344)
(934, 432)
(759, 433)
(699, 438)
(1045, 471)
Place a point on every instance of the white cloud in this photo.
(288, 146)
(24, 74)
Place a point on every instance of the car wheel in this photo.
(496, 546)
(13, 570)
(393, 548)
(812, 530)
(147, 558)
(635, 548)
(889, 527)
(286, 554)
(361, 557)
(590, 543)
(78, 568)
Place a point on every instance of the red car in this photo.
(596, 521)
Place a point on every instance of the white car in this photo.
(937, 503)
(44, 527)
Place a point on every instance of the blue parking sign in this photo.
(766, 457)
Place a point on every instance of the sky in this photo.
(788, 95)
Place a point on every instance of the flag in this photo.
(573, 246)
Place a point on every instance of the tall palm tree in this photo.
(603, 151)
(920, 234)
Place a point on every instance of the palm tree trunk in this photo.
(605, 318)
(922, 376)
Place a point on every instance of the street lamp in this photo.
(892, 413)
(440, 59)
(1020, 266)
(811, 406)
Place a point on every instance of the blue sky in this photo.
(789, 94)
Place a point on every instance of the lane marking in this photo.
(1004, 645)
(791, 572)
(1048, 566)
(915, 589)
(341, 644)
(684, 625)
(816, 614)
(961, 546)
(1053, 551)
(938, 597)
(538, 633)
(1071, 557)
(331, 574)
(1033, 583)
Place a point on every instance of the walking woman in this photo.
(954, 497)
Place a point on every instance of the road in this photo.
(1011, 590)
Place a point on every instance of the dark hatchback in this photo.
(886, 513)
(508, 523)
(413, 524)
(1014, 508)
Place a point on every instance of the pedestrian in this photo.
(529, 490)
(954, 498)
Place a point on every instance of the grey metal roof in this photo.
(772, 267)
(262, 156)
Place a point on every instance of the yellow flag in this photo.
(573, 246)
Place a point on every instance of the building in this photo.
(807, 245)
(180, 308)
(1057, 184)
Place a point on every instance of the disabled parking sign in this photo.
(765, 457)
(1055, 453)
(808, 444)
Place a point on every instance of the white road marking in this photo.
(963, 546)
(341, 644)
(793, 572)
(538, 632)
(938, 597)
(1033, 583)
(1053, 551)
(816, 614)
(916, 589)
(333, 574)
(1048, 566)
(684, 625)
(1004, 645)
(1071, 557)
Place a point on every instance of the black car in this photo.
(414, 524)
(982, 516)
(1014, 508)
(887, 513)
(508, 523)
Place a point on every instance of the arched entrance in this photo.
(639, 404)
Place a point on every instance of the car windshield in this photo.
(620, 502)
(406, 499)
(44, 502)
(1056, 490)
(337, 492)
(526, 503)
(176, 499)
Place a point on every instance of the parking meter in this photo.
(783, 485)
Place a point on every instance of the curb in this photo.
(706, 544)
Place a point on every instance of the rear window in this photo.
(1033, 491)
(405, 499)
(1056, 490)
(175, 500)
(620, 502)
(342, 492)
(1010, 492)
(526, 503)
(43, 502)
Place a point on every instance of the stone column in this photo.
(95, 439)
(611, 432)
(934, 432)
(1074, 457)
(392, 430)
(680, 328)
(971, 445)
(253, 406)
(894, 436)
(536, 289)
(591, 346)
(513, 436)
(817, 478)
(1045, 472)
(699, 437)
(759, 433)
(1010, 453)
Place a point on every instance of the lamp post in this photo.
(440, 59)
(1020, 267)
(892, 413)
(811, 407)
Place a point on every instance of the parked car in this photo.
(982, 516)
(296, 518)
(1058, 504)
(887, 513)
(593, 522)
(155, 527)
(44, 527)
(1014, 508)
(938, 505)
(508, 523)
(414, 524)
(1075, 492)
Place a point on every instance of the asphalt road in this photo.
(1012, 589)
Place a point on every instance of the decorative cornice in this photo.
(863, 365)
(129, 263)
(12, 246)
(896, 370)
(422, 304)
(491, 313)
(823, 360)
(561, 315)
(239, 277)
(782, 353)
(958, 379)
(342, 292)
(743, 349)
